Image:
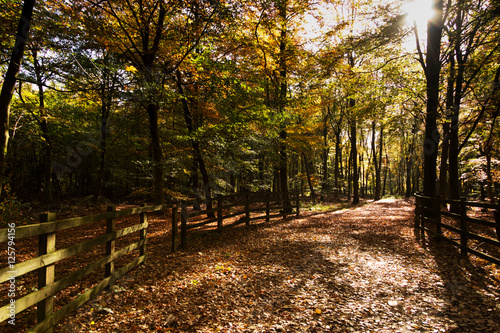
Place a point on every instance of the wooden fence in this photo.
(429, 217)
(243, 208)
(45, 263)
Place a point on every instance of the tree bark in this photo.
(308, 175)
(409, 165)
(188, 117)
(450, 89)
(349, 175)
(326, 150)
(42, 119)
(487, 150)
(282, 101)
(354, 151)
(354, 157)
(454, 182)
(10, 83)
(376, 161)
(338, 159)
(158, 172)
(432, 72)
(107, 91)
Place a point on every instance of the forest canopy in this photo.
(168, 100)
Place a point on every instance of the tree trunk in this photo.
(47, 146)
(454, 181)
(338, 159)
(489, 178)
(188, 117)
(205, 178)
(409, 165)
(376, 163)
(487, 149)
(106, 104)
(354, 161)
(386, 168)
(308, 175)
(354, 151)
(153, 110)
(432, 70)
(443, 175)
(326, 150)
(9, 83)
(391, 188)
(282, 101)
(349, 175)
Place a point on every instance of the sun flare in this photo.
(419, 12)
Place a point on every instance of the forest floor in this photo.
(359, 269)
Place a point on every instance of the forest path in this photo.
(354, 270)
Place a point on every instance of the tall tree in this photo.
(10, 82)
(432, 69)
(472, 26)
(282, 99)
(353, 132)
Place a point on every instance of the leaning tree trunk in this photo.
(10, 83)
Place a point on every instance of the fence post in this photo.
(463, 226)
(143, 232)
(174, 228)
(219, 212)
(247, 209)
(183, 225)
(46, 245)
(110, 245)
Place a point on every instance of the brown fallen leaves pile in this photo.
(352, 270)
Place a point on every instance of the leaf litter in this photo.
(355, 270)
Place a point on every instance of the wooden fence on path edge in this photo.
(429, 218)
(48, 256)
(242, 207)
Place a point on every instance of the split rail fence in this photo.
(241, 208)
(48, 256)
(267, 204)
(460, 227)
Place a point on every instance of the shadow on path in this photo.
(354, 270)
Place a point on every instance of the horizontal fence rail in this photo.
(430, 217)
(242, 208)
(48, 257)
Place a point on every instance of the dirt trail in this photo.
(354, 270)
